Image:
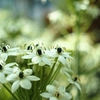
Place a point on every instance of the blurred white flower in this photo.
(54, 93)
(62, 55)
(74, 81)
(21, 78)
(6, 51)
(5, 69)
(25, 49)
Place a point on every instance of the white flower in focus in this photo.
(54, 93)
(58, 52)
(21, 78)
(5, 69)
(38, 57)
(7, 51)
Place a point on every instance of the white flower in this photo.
(74, 81)
(58, 52)
(21, 78)
(26, 49)
(54, 93)
(5, 69)
(7, 51)
(38, 57)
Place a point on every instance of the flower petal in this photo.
(46, 61)
(41, 64)
(61, 89)
(15, 86)
(36, 59)
(4, 56)
(53, 98)
(16, 70)
(46, 95)
(52, 53)
(27, 72)
(67, 74)
(65, 96)
(7, 70)
(27, 56)
(77, 85)
(66, 54)
(11, 77)
(70, 81)
(11, 64)
(26, 84)
(12, 53)
(62, 60)
(32, 78)
(13, 49)
(2, 77)
(51, 89)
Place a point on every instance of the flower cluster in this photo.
(33, 70)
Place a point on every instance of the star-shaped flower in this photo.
(21, 78)
(74, 81)
(60, 53)
(54, 93)
(7, 51)
(25, 49)
(5, 69)
(38, 57)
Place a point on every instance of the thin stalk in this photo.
(26, 93)
(36, 88)
(10, 91)
(55, 74)
(41, 74)
(49, 77)
(77, 53)
(68, 86)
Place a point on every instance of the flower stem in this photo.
(55, 74)
(68, 86)
(51, 72)
(10, 91)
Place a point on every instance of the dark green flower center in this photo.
(59, 50)
(39, 51)
(4, 48)
(57, 94)
(29, 48)
(0, 67)
(21, 75)
(75, 79)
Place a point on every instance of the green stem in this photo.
(68, 86)
(55, 74)
(10, 91)
(77, 30)
(49, 77)
(41, 78)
